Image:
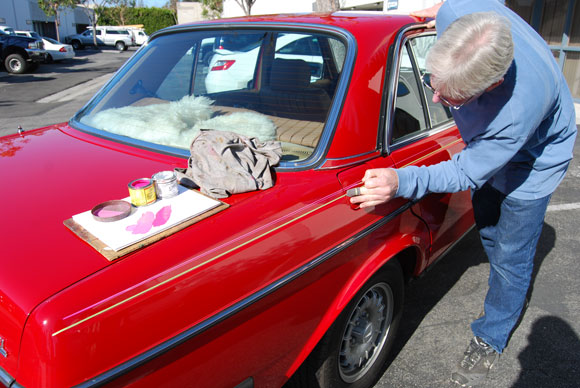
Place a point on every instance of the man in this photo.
(515, 113)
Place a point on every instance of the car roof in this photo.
(353, 21)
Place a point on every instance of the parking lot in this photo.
(54, 92)
(544, 350)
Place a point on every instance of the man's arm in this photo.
(430, 12)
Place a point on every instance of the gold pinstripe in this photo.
(434, 152)
(228, 251)
(196, 266)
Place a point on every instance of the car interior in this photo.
(286, 95)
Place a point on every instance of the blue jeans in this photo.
(509, 229)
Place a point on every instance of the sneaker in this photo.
(476, 363)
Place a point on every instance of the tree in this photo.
(92, 9)
(121, 8)
(213, 8)
(247, 6)
(327, 5)
(53, 8)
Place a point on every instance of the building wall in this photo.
(406, 6)
(265, 7)
(26, 15)
(189, 12)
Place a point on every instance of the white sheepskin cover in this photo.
(178, 122)
(245, 123)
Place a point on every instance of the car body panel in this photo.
(243, 295)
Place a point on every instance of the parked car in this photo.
(7, 30)
(233, 62)
(284, 285)
(30, 34)
(139, 36)
(20, 54)
(114, 36)
(57, 51)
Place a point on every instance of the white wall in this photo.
(189, 12)
(265, 7)
(14, 13)
(406, 6)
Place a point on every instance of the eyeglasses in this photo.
(426, 79)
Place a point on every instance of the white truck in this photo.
(119, 37)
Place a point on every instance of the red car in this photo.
(288, 283)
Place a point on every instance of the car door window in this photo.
(420, 46)
(409, 115)
(415, 110)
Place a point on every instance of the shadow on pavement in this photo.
(552, 356)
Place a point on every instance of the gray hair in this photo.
(473, 53)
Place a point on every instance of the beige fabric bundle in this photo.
(224, 163)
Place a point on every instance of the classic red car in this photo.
(290, 281)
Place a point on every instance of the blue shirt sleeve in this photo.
(519, 136)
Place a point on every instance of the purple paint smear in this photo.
(148, 220)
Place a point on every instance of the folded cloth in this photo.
(224, 163)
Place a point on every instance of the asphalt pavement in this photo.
(544, 350)
(55, 91)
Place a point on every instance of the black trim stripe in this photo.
(234, 309)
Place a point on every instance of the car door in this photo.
(423, 133)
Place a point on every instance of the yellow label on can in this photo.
(142, 192)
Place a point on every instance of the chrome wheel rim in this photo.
(15, 65)
(366, 332)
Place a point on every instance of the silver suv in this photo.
(118, 37)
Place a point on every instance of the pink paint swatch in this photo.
(148, 220)
(162, 216)
(144, 224)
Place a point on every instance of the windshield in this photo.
(271, 85)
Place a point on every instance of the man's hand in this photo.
(428, 13)
(379, 186)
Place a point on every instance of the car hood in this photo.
(49, 175)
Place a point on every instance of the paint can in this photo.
(142, 192)
(165, 184)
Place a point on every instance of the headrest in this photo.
(288, 74)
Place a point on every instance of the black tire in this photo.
(354, 351)
(16, 64)
(76, 44)
(120, 46)
(49, 59)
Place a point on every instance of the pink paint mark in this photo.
(162, 216)
(104, 213)
(144, 224)
(140, 183)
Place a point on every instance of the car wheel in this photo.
(120, 46)
(76, 45)
(49, 59)
(15, 63)
(354, 350)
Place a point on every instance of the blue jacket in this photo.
(519, 136)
